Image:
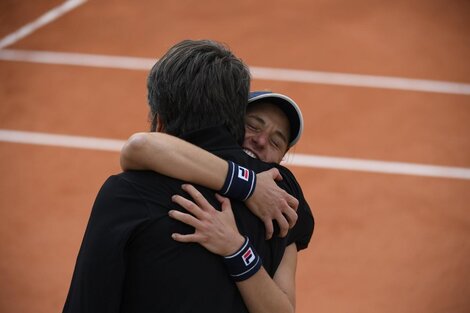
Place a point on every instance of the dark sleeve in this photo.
(302, 231)
(100, 268)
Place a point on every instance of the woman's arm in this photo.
(174, 157)
(217, 231)
(263, 294)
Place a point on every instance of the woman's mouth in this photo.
(250, 153)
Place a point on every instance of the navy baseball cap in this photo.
(288, 106)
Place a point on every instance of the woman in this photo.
(273, 125)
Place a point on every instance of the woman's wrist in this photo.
(240, 182)
(234, 245)
(244, 263)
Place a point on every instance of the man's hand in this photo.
(269, 202)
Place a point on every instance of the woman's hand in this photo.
(214, 230)
(269, 202)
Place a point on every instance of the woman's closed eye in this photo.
(253, 126)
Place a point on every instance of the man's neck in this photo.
(210, 138)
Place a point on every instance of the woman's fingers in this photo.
(268, 225)
(291, 217)
(292, 201)
(225, 202)
(200, 200)
(275, 174)
(215, 230)
(186, 238)
(184, 218)
(283, 225)
(188, 205)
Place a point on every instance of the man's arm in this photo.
(217, 231)
(171, 156)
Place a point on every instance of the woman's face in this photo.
(267, 132)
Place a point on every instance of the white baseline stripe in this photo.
(300, 76)
(60, 140)
(78, 59)
(41, 21)
(378, 166)
(355, 80)
(293, 159)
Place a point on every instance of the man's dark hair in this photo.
(199, 84)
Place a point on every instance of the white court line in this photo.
(81, 142)
(78, 59)
(296, 159)
(383, 167)
(355, 80)
(300, 76)
(40, 22)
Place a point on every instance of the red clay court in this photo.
(384, 161)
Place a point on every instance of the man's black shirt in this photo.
(128, 261)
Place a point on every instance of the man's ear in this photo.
(160, 126)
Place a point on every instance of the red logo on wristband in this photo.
(248, 257)
(243, 173)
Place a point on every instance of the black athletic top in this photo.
(128, 261)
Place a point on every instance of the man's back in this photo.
(128, 261)
(163, 275)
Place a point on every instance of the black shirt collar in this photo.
(212, 138)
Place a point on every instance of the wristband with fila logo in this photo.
(244, 263)
(240, 182)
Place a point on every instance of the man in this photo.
(128, 261)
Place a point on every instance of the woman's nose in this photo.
(260, 139)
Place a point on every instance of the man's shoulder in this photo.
(127, 178)
(140, 176)
(288, 179)
(143, 182)
(116, 183)
(138, 191)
